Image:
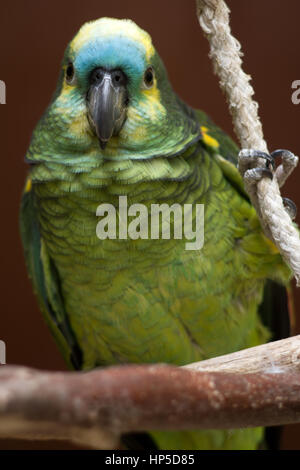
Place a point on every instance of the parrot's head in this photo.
(114, 99)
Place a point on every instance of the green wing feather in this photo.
(227, 147)
(45, 281)
(273, 310)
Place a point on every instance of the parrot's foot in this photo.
(289, 163)
(248, 157)
(290, 207)
(252, 173)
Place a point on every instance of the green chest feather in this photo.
(151, 300)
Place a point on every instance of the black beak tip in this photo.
(102, 143)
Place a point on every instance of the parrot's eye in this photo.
(149, 77)
(70, 73)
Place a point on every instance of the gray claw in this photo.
(290, 207)
(254, 175)
(269, 158)
(282, 153)
(264, 172)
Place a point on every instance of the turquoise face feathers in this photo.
(113, 101)
(114, 53)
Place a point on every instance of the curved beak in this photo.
(107, 103)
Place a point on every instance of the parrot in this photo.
(115, 128)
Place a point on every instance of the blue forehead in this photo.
(112, 53)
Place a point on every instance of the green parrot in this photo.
(116, 128)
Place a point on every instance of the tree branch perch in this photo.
(94, 408)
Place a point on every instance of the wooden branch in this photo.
(275, 357)
(94, 408)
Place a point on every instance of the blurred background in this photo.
(33, 36)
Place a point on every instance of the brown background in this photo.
(33, 35)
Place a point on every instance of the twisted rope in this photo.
(225, 52)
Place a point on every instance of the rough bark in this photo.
(94, 408)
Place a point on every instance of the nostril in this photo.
(96, 75)
(119, 78)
